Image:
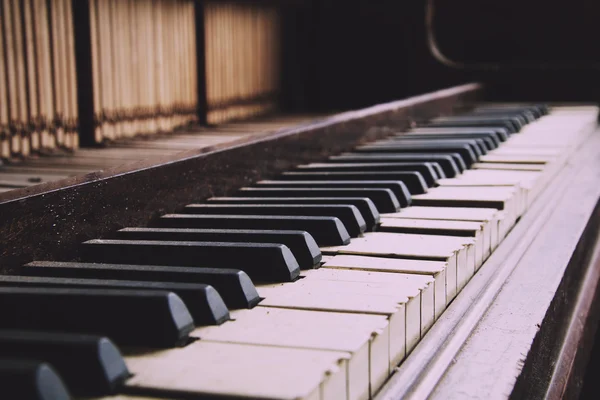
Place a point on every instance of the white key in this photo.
(502, 198)
(489, 216)
(508, 166)
(232, 369)
(324, 295)
(364, 337)
(444, 228)
(401, 305)
(459, 253)
(386, 281)
(435, 269)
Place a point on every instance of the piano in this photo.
(191, 228)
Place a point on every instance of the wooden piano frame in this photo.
(536, 295)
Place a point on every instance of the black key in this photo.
(398, 188)
(301, 243)
(464, 150)
(500, 133)
(203, 302)
(365, 206)
(490, 141)
(325, 230)
(438, 169)
(234, 286)
(384, 199)
(413, 180)
(348, 214)
(446, 162)
(129, 317)
(538, 110)
(509, 124)
(30, 380)
(426, 169)
(477, 145)
(525, 117)
(262, 261)
(518, 118)
(90, 365)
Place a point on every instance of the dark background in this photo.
(344, 55)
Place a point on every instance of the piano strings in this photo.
(141, 62)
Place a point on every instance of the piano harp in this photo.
(440, 246)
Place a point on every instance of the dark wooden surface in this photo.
(83, 69)
(48, 221)
(200, 61)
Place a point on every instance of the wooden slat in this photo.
(4, 102)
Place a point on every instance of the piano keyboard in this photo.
(315, 284)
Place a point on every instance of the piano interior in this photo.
(298, 199)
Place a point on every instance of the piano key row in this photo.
(345, 325)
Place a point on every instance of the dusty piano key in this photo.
(435, 269)
(204, 303)
(365, 205)
(348, 214)
(234, 285)
(529, 183)
(90, 365)
(490, 217)
(500, 133)
(449, 164)
(383, 280)
(484, 143)
(518, 158)
(476, 146)
(509, 166)
(413, 180)
(528, 151)
(472, 229)
(301, 243)
(129, 317)
(428, 170)
(364, 337)
(262, 261)
(537, 110)
(322, 229)
(399, 188)
(462, 152)
(522, 116)
(501, 198)
(235, 370)
(511, 125)
(31, 380)
(357, 297)
(384, 199)
(458, 252)
(490, 140)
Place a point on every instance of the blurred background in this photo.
(91, 72)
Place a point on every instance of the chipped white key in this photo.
(501, 198)
(458, 252)
(304, 290)
(364, 337)
(489, 216)
(435, 269)
(443, 228)
(348, 299)
(385, 282)
(528, 182)
(508, 166)
(240, 370)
